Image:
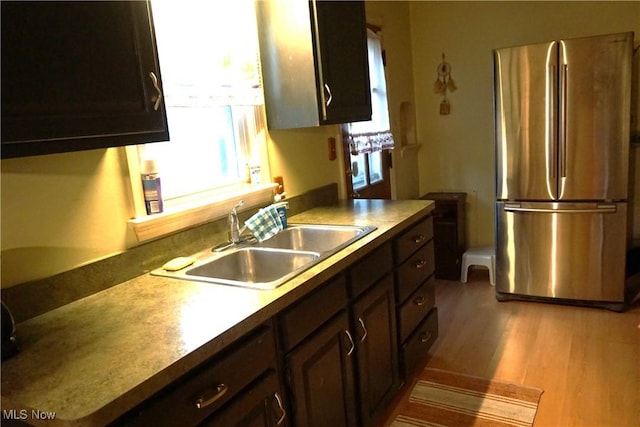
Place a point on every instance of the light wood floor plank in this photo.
(586, 360)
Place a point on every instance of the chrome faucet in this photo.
(234, 223)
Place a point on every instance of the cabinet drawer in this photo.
(260, 405)
(415, 271)
(307, 315)
(415, 350)
(211, 386)
(409, 241)
(416, 307)
(369, 270)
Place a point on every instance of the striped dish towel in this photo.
(265, 223)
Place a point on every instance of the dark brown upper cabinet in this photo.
(314, 61)
(79, 75)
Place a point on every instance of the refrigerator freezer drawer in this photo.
(572, 251)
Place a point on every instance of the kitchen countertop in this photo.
(92, 360)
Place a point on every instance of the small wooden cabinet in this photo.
(79, 75)
(314, 62)
(417, 314)
(449, 233)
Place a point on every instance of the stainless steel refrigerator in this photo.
(562, 118)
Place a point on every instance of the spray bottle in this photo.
(151, 187)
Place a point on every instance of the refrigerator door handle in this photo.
(604, 208)
(552, 155)
(563, 122)
(552, 151)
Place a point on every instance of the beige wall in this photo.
(457, 152)
(301, 157)
(61, 211)
(393, 18)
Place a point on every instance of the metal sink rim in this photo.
(209, 257)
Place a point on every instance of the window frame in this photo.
(189, 210)
(195, 209)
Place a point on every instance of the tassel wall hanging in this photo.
(444, 82)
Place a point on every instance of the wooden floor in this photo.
(586, 360)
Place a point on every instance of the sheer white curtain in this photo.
(373, 135)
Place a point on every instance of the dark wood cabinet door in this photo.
(79, 75)
(374, 321)
(344, 61)
(320, 375)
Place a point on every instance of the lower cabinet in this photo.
(415, 348)
(240, 385)
(334, 358)
(321, 377)
(373, 317)
(341, 362)
(415, 283)
(260, 406)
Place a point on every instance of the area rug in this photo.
(442, 398)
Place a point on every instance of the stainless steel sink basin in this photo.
(316, 238)
(271, 263)
(262, 268)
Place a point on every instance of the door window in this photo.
(367, 143)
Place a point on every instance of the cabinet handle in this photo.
(156, 85)
(330, 97)
(219, 391)
(420, 301)
(425, 337)
(364, 329)
(353, 345)
(421, 263)
(419, 238)
(281, 407)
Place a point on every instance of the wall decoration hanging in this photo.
(444, 83)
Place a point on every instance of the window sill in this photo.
(212, 207)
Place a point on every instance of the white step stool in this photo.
(485, 255)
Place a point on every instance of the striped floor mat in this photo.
(442, 398)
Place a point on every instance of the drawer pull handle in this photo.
(421, 263)
(420, 301)
(425, 337)
(364, 329)
(353, 345)
(281, 407)
(219, 391)
(419, 238)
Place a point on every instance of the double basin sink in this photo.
(269, 264)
